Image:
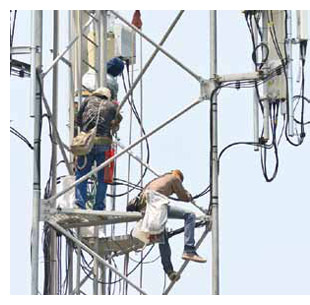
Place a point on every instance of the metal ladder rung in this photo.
(90, 40)
(89, 65)
(90, 15)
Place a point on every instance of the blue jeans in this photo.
(84, 165)
(189, 235)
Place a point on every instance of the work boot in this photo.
(193, 256)
(173, 276)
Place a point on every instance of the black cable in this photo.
(135, 111)
(46, 242)
(45, 115)
(181, 230)
(264, 60)
(12, 29)
(298, 97)
(121, 182)
(20, 136)
(204, 192)
(47, 190)
(249, 24)
(241, 143)
(101, 282)
(303, 50)
(133, 186)
(59, 254)
(274, 144)
(274, 112)
(258, 66)
(68, 264)
(256, 18)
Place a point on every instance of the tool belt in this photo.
(102, 140)
(137, 204)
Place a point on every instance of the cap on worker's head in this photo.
(179, 173)
(103, 92)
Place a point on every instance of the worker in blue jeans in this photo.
(163, 187)
(189, 240)
(96, 109)
(83, 167)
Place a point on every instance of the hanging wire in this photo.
(87, 269)
(126, 260)
(12, 28)
(20, 136)
(273, 124)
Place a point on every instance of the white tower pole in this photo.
(214, 157)
(36, 65)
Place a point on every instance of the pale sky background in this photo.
(264, 227)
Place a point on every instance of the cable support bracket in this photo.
(20, 50)
(46, 210)
(207, 87)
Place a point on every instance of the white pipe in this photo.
(255, 100)
(239, 77)
(36, 63)
(290, 113)
(214, 159)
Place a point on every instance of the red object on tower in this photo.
(109, 169)
(136, 19)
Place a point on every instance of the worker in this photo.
(166, 185)
(108, 123)
(115, 67)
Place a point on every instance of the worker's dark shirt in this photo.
(88, 112)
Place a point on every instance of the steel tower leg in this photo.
(99, 269)
(53, 243)
(71, 135)
(290, 112)
(36, 64)
(214, 158)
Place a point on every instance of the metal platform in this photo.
(117, 245)
(76, 218)
(19, 68)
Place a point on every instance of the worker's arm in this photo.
(79, 116)
(115, 123)
(180, 191)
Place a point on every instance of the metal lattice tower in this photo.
(90, 28)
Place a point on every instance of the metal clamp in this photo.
(46, 210)
(206, 88)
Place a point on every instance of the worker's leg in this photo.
(101, 185)
(189, 226)
(165, 254)
(83, 167)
